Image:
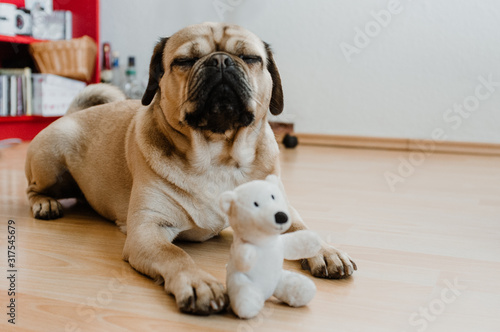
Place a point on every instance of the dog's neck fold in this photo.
(204, 150)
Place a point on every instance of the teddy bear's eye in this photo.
(256, 204)
(272, 196)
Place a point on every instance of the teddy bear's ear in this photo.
(273, 179)
(226, 199)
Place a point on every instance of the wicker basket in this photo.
(73, 58)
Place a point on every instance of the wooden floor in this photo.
(428, 252)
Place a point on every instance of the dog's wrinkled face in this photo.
(214, 77)
(219, 92)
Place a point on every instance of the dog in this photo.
(157, 168)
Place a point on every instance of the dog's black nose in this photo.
(220, 60)
(281, 217)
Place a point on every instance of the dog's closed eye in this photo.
(251, 59)
(184, 62)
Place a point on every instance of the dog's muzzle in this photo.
(221, 94)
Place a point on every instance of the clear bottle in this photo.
(118, 79)
(133, 88)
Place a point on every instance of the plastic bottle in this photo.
(118, 79)
(133, 88)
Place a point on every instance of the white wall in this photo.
(404, 83)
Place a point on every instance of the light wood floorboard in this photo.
(440, 227)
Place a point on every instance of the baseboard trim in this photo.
(403, 144)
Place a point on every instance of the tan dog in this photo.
(157, 169)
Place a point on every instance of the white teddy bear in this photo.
(258, 214)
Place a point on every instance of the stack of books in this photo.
(24, 93)
(15, 92)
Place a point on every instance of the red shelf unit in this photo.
(18, 39)
(85, 22)
(24, 127)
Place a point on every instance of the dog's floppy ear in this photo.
(276, 105)
(156, 71)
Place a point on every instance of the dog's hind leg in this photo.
(44, 176)
(47, 174)
(46, 167)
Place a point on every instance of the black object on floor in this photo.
(290, 141)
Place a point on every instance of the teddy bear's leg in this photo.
(295, 289)
(246, 299)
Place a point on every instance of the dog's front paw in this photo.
(330, 263)
(197, 292)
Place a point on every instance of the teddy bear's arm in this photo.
(301, 244)
(244, 256)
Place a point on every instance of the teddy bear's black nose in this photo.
(281, 217)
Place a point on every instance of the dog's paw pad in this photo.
(47, 208)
